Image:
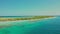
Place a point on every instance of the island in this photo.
(24, 18)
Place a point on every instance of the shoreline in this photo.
(10, 23)
(29, 20)
(15, 19)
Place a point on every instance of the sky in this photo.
(29, 7)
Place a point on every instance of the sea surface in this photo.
(45, 26)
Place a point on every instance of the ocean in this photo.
(45, 26)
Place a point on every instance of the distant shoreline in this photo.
(25, 18)
(8, 23)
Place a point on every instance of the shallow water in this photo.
(46, 26)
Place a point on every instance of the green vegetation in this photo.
(25, 18)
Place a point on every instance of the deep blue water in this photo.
(46, 26)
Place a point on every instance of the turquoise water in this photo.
(46, 26)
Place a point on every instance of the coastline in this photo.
(25, 18)
(28, 19)
(10, 23)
